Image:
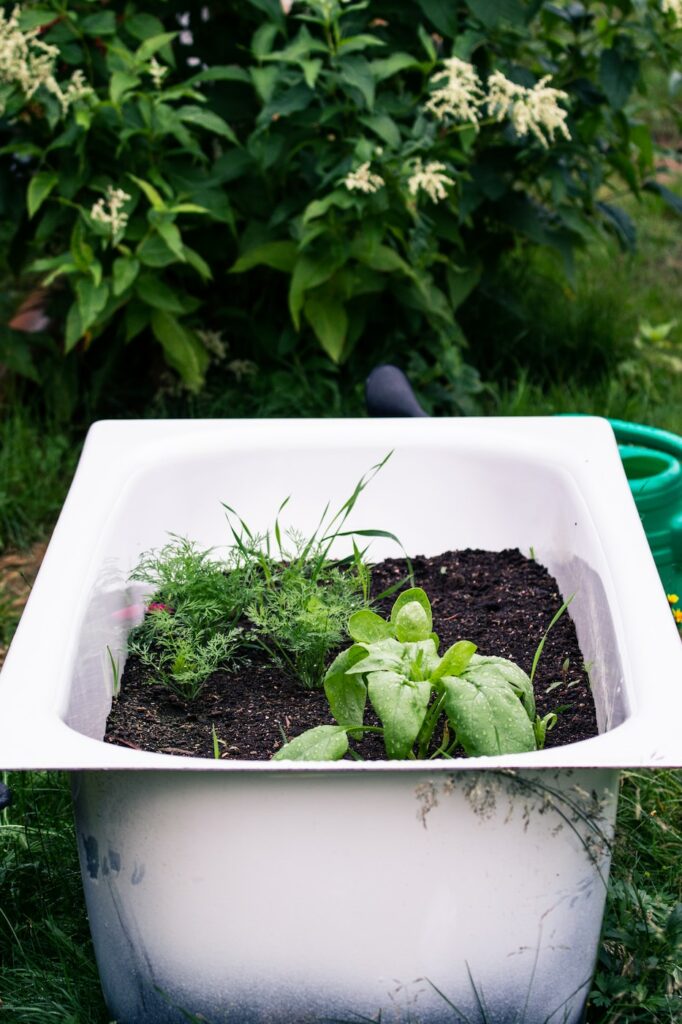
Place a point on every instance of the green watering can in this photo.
(652, 460)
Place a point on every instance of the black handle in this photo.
(388, 392)
(5, 796)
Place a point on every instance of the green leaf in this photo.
(667, 195)
(198, 263)
(124, 271)
(311, 69)
(407, 597)
(356, 72)
(388, 66)
(486, 715)
(92, 298)
(461, 283)
(121, 82)
(347, 694)
(153, 252)
(339, 197)
(208, 120)
(367, 627)
(401, 707)
(493, 12)
(412, 623)
(382, 655)
(326, 314)
(364, 41)
(222, 73)
(171, 236)
(379, 257)
(263, 39)
(151, 193)
(309, 272)
(621, 223)
(455, 660)
(182, 349)
(617, 76)
(143, 26)
(383, 126)
(278, 255)
(39, 188)
(155, 292)
(487, 665)
(264, 81)
(324, 743)
(151, 46)
(81, 252)
(442, 14)
(103, 23)
(73, 331)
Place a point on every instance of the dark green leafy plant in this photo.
(360, 167)
(487, 702)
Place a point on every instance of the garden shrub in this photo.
(255, 182)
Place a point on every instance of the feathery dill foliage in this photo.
(301, 609)
(281, 591)
(190, 628)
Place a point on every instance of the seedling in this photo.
(483, 704)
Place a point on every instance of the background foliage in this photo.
(232, 129)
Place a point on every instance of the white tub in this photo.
(251, 891)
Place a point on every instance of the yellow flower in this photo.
(673, 598)
(678, 614)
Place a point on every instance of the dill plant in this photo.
(190, 629)
(280, 591)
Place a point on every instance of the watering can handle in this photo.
(388, 392)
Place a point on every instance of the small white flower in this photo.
(214, 343)
(242, 368)
(157, 72)
(673, 7)
(535, 111)
(109, 210)
(429, 178)
(76, 89)
(362, 180)
(29, 63)
(460, 96)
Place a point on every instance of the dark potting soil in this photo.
(501, 601)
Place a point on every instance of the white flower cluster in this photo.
(363, 180)
(157, 72)
(535, 111)
(460, 96)
(429, 178)
(673, 7)
(29, 63)
(109, 210)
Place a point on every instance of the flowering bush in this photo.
(357, 167)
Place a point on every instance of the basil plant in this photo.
(484, 705)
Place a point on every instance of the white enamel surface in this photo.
(553, 485)
(288, 899)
